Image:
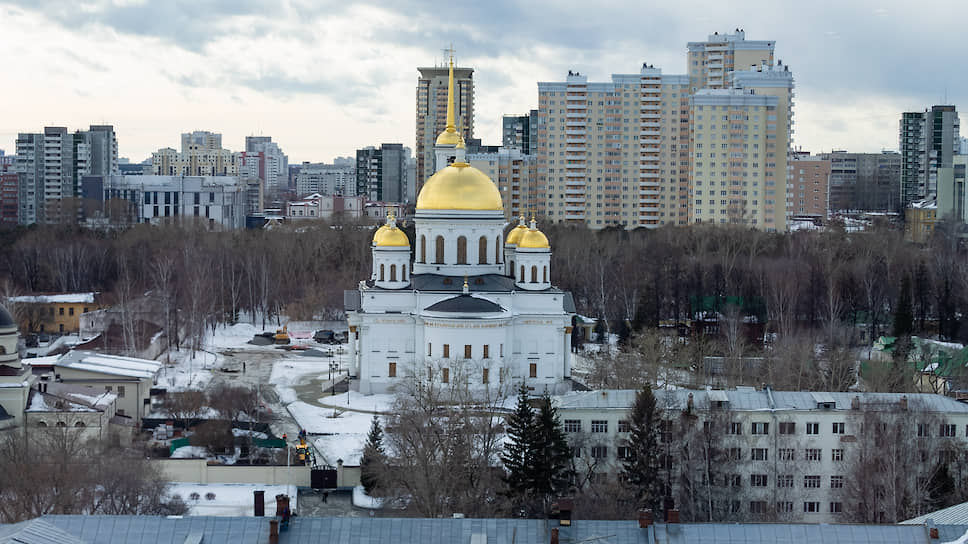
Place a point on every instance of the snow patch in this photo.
(229, 499)
(362, 500)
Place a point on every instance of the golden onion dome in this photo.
(391, 237)
(379, 234)
(514, 237)
(459, 186)
(534, 239)
(449, 137)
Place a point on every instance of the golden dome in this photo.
(514, 237)
(378, 235)
(449, 137)
(391, 237)
(460, 186)
(533, 238)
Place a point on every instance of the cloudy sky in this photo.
(324, 78)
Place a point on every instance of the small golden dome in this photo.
(449, 137)
(514, 237)
(460, 186)
(379, 233)
(533, 238)
(391, 237)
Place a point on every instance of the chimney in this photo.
(273, 532)
(904, 403)
(565, 506)
(282, 504)
(645, 519)
(672, 516)
(260, 503)
(855, 403)
(554, 535)
(933, 532)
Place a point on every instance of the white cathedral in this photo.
(465, 306)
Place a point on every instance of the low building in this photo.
(919, 219)
(60, 313)
(88, 409)
(15, 378)
(130, 379)
(317, 206)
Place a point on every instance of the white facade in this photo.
(215, 200)
(326, 179)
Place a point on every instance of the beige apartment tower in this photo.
(710, 62)
(432, 112)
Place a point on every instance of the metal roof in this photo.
(955, 515)
(35, 531)
(789, 533)
(465, 304)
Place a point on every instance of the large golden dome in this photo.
(460, 186)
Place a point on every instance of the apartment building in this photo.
(326, 179)
(201, 154)
(710, 62)
(779, 455)
(928, 141)
(382, 172)
(808, 182)
(515, 174)
(520, 132)
(953, 190)
(9, 190)
(432, 112)
(263, 159)
(216, 201)
(864, 181)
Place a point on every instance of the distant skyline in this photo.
(326, 78)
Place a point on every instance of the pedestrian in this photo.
(325, 495)
(243, 367)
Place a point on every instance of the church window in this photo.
(487, 351)
(381, 272)
(440, 250)
(502, 350)
(511, 268)
(533, 370)
(545, 280)
(392, 370)
(497, 250)
(482, 250)
(461, 250)
(403, 273)
(446, 351)
(445, 375)
(484, 376)
(393, 272)
(534, 274)
(430, 349)
(522, 273)
(467, 351)
(423, 248)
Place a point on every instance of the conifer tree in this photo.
(373, 457)
(641, 467)
(904, 313)
(553, 471)
(518, 457)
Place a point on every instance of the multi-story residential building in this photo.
(864, 181)
(776, 455)
(216, 201)
(710, 62)
(8, 190)
(808, 182)
(326, 179)
(50, 166)
(432, 112)
(953, 190)
(201, 155)
(381, 173)
(928, 141)
(515, 174)
(520, 132)
(264, 159)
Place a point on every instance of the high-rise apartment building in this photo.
(515, 174)
(382, 173)
(432, 112)
(520, 132)
(201, 155)
(953, 190)
(8, 190)
(808, 183)
(50, 166)
(710, 62)
(928, 141)
(864, 181)
(264, 159)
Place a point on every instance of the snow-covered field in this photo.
(355, 400)
(296, 370)
(230, 499)
(180, 371)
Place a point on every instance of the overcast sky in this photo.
(325, 78)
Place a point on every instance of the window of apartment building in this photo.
(784, 480)
(576, 452)
(60, 311)
(572, 425)
(761, 427)
(445, 375)
(923, 430)
(786, 454)
(446, 351)
(837, 482)
(785, 507)
(599, 452)
(813, 428)
(946, 430)
(70, 311)
(392, 370)
(733, 480)
(733, 506)
(599, 426)
(787, 427)
(836, 507)
(811, 482)
(735, 428)
(623, 426)
(758, 480)
(838, 428)
(758, 454)
(533, 370)
(812, 454)
(624, 452)
(811, 507)
(467, 351)
(757, 507)
(836, 455)
(734, 454)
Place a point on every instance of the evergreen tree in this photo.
(518, 456)
(373, 457)
(904, 314)
(641, 467)
(553, 471)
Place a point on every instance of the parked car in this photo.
(324, 336)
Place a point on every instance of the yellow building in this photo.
(201, 155)
(58, 313)
(919, 219)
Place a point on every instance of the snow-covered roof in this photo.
(109, 364)
(952, 515)
(63, 298)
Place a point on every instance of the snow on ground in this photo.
(355, 400)
(236, 336)
(289, 371)
(246, 432)
(362, 500)
(229, 499)
(317, 420)
(199, 452)
(180, 372)
(348, 447)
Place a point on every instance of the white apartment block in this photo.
(216, 201)
(763, 453)
(264, 159)
(326, 179)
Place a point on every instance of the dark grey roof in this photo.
(162, 530)
(465, 304)
(6, 320)
(35, 531)
(351, 300)
(789, 533)
(494, 283)
(4, 416)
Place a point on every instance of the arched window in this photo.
(534, 274)
(393, 272)
(545, 280)
(482, 250)
(423, 248)
(41, 423)
(497, 250)
(403, 275)
(79, 424)
(461, 250)
(440, 250)
(61, 424)
(522, 273)
(381, 272)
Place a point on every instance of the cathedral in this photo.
(463, 304)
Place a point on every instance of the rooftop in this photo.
(109, 364)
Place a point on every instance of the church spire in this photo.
(450, 136)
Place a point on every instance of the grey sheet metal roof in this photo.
(35, 531)
(465, 304)
(954, 515)
(485, 282)
(162, 530)
(789, 533)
